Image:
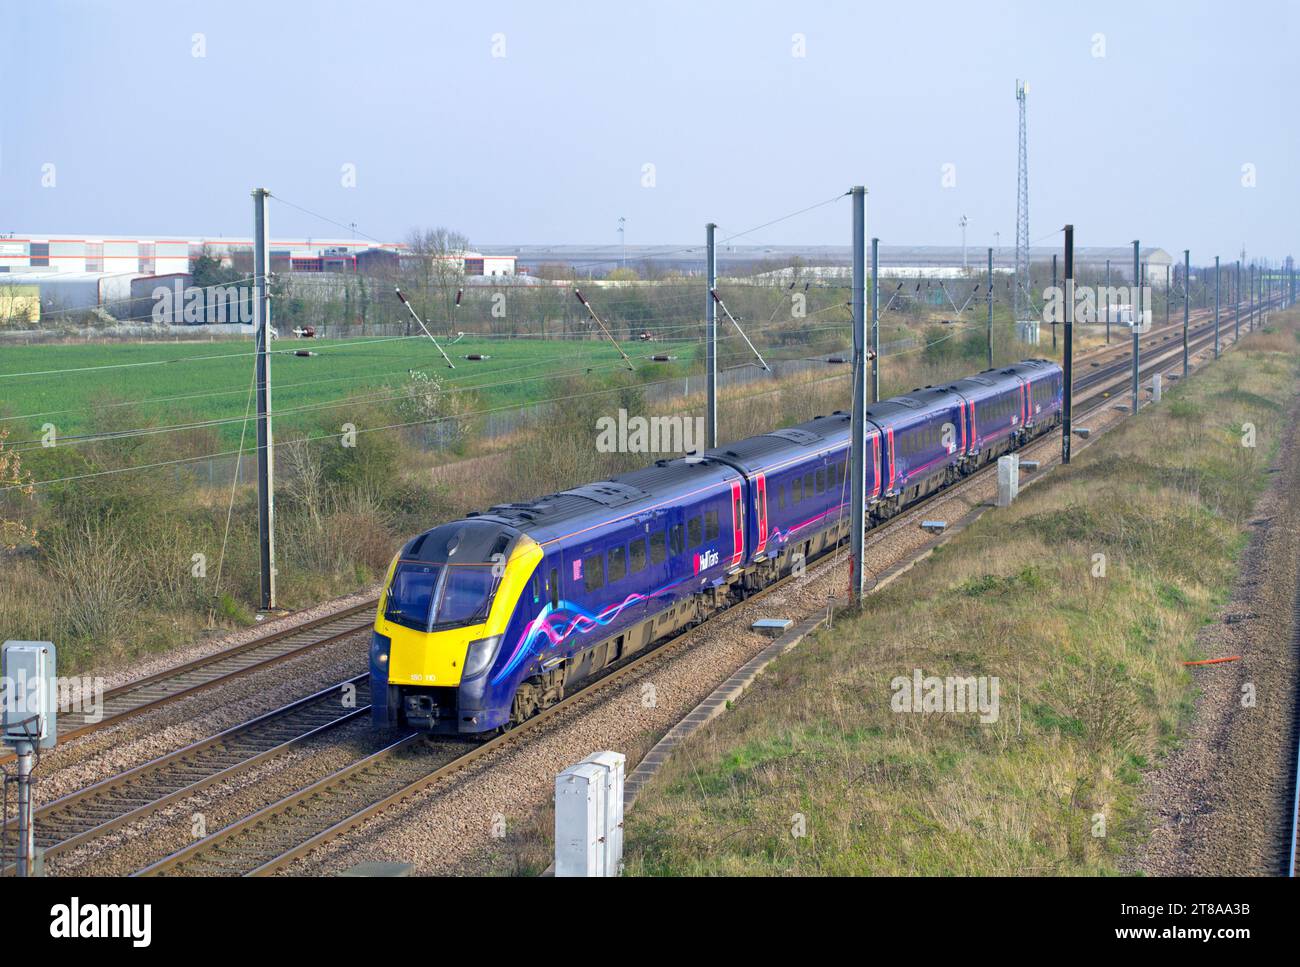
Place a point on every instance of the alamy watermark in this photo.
(954, 693)
(1097, 303)
(20, 699)
(196, 304)
(649, 434)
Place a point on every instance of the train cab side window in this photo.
(617, 563)
(710, 525)
(821, 480)
(780, 497)
(693, 532)
(675, 544)
(658, 549)
(555, 588)
(537, 587)
(636, 555)
(593, 572)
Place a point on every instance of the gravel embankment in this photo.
(143, 668)
(115, 748)
(138, 844)
(1222, 801)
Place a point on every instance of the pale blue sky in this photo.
(547, 143)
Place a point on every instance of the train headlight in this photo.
(379, 645)
(480, 655)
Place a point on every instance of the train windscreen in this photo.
(427, 597)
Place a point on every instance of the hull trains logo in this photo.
(705, 560)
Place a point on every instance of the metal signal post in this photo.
(1136, 309)
(858, 425)
(265, 453)
(710, 340)
(1069, 344)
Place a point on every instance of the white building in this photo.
(168, 254)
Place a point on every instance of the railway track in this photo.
(1289, 861)
(282, 832)
(86, 814)
(153, 691)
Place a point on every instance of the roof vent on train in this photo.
(526, 511)
(907, 401)
(610, 493)
(795, 435)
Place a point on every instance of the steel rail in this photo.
(209, 671)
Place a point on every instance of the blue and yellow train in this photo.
(486, 621)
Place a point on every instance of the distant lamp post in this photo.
(622, 239)
(963, 222)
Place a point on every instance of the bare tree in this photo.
(438, 271)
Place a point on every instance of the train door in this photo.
(873, 466)
(890, 458)
(737, 524)
(759, 488)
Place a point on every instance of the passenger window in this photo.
(830, 475)
(808, 484)
(555, 588)
(780, 497)
(693, 532)
(675, 544)
(636, 554)
(593, 572)
(796, 491)
(821, 480)
(658, 551)
(617, 563)
(710, 525)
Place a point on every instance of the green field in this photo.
(87, 388)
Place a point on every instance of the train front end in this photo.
(447, 604)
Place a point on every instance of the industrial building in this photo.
(61, 273)
(164, 255)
